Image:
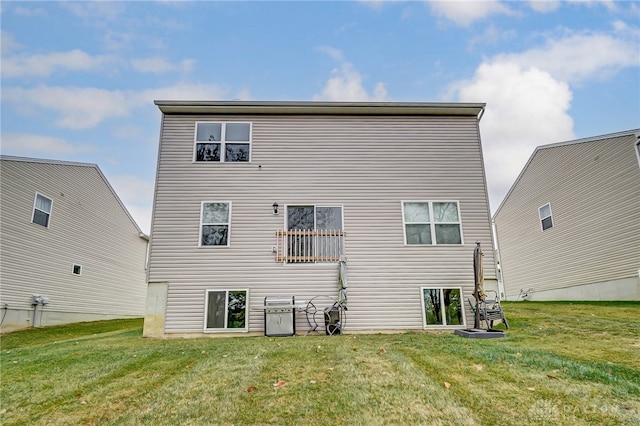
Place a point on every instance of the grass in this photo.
(560, 364)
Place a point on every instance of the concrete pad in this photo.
(475, 333)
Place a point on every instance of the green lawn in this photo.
(560, 364)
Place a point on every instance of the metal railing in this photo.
(299, 246)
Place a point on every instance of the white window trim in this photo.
(553, 223)
(73, 267)
(225, 330)
(223, 141)
(638, 147)
(33, 210)
(202, 224)
(432, 223)
(446, 326)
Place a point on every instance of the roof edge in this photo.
(46, 161)
(313, 107)
(590, 139)
(558, 144)
(78, 164)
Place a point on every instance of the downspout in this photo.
(35, 309)
(6, 309)
(498, 260)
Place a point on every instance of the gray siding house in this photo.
(265, 199)
(69, 250)
(569, 228)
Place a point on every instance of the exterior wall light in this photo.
(275, 208)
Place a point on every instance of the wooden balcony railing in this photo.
(299, 246)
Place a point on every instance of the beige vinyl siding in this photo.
(88, 226)
(366, 164)
(594, 191)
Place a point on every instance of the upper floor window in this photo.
(545, 216)
(431, 222)
(215, 218)
(638, 147)
(223, 142)
(42, 210)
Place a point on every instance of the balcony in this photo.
(299, 246)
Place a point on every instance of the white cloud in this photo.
(77, 108)
(29, 144)
(609, 4)
(528, 95)
(42, 65)
(526, 107)
(27, 11)
(465, 12)
(331, 51)
(345, 84)
(183, 91)
(8, 44)
(544, 6)
(373, 4)
(96, 11)
(577, 57)
(160, 65)
(492, 35)
(244, 95)
(624, 30)
(131, 131)
(83, 108)
(137, 194)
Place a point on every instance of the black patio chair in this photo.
(490, 309)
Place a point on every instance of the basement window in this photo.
(546, 219)
(226, 310)
(77, 269)
(442, 307)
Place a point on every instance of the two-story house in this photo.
(569, 228)
(69, 249)
(263, 199)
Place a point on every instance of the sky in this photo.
(79, 78)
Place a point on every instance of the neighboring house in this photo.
(69, 250)
(569, 228)
(262, 199)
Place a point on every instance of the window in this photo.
(226, 310)
(76, 270)
(42, 210)
(314, 218)
(214, 224)
(431, 222)
(223, 142)
(545, 216)
(442, 307)
(314, 234)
